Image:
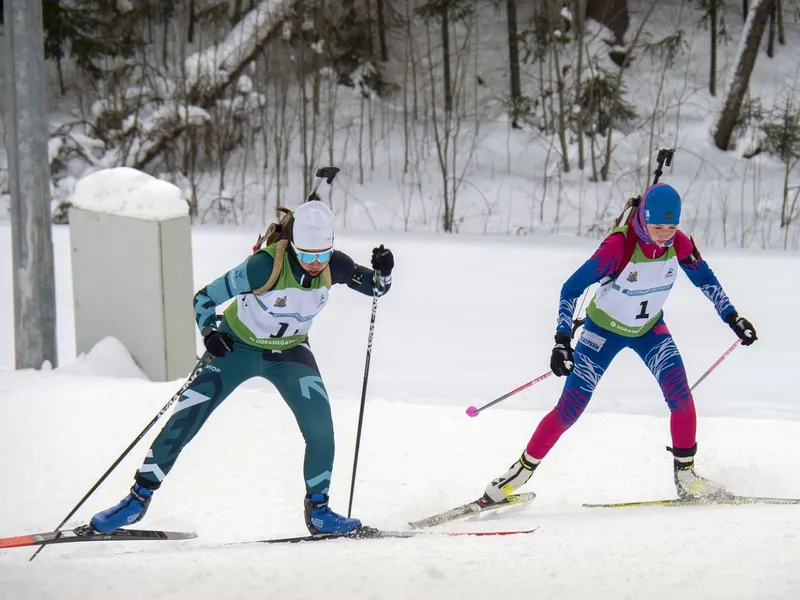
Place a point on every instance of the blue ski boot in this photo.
(321, 519)
(130, 510)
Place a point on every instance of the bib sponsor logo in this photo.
(280, 302)
(592, 340)
(633, 276)
(275, 341)
(621, 327)
(296, 316)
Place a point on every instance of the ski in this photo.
(724, 500)
(470, 508)
(85, 533)
(371, 533)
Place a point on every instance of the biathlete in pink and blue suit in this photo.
(626, 312)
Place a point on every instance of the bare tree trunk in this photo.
(406, 108)
(370, 43)
(781, 26)
(543, 94)
(59, 34)
(281, 134)
(513, 61)
(304, 119)
(371, 126)
(448, 83)
(712, 75)
(579, 10)
(607, 165)
(771, 34)
(190, 169)
(787, 172)
(412, 57)
(552, 19)
(165, 43)
(60, 75)
(361, 142)
(382, 41)
(756, 22)
(150, 35)
(192, 21)
(745, 10)
(593, 134)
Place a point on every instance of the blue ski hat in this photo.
(661, 205)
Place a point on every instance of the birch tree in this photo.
(740, 80)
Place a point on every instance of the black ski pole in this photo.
(201, 364)
(364, 389)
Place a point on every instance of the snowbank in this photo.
(127, 192)
(107, 358)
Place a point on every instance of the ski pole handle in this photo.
(716, 364)
(474, 412)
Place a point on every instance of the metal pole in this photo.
(29, 184)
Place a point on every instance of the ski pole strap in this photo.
(725, 355)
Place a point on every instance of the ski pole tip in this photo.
(472, 411)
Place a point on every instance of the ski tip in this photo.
(181, 535)
(521, 497)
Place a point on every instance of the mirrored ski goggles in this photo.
(310, 257)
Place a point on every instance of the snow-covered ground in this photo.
(468, 319)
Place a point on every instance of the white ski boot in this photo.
(517, 475)
(688, 484)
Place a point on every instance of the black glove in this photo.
(561, 362)
(382, 260)
(217, 342)
(743, 328)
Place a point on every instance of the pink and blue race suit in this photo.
(626, 312)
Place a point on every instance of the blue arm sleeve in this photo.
(701, 275)
(603, 263)
(581, 279)
(222, 289)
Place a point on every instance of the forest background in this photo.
(512, 117)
